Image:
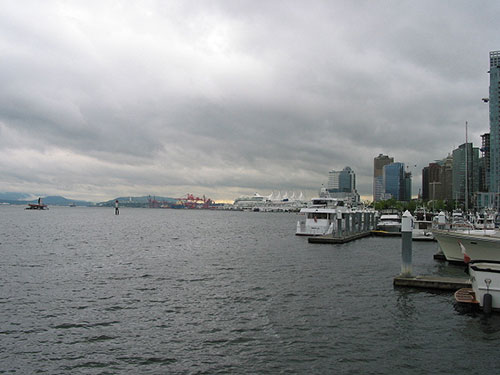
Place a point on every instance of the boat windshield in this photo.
(317, 215)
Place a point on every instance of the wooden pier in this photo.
(432, 282)
(338, 239)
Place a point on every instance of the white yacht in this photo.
(320, 216)
(485, 220)
(481, 244)
(389, 222)
(334, 216)
(458, 221)
(422, 230)
(422, 226)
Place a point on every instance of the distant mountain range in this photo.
(137, 201)
(57, 200)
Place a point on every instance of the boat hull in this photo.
(32, 206)
(318, 228)
(480, 272)
(389, 227)
(478, 245)
(422, 235)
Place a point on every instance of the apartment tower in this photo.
(378, 175)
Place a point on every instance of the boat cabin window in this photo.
(317, 215)
(319, 202)
(424, 225)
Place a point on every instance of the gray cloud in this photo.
(102, 99)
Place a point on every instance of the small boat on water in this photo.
(37, 206)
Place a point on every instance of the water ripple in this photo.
(205, 292)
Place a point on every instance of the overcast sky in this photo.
(100, 99)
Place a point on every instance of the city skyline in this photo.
(224, 99)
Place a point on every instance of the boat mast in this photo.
(466, 173)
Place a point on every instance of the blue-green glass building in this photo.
(394, 180)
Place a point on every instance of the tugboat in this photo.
(35, 206)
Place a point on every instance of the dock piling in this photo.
(406, 243)
(347, 223)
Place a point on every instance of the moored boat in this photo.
(485, 279)
(422, 226)
(480, 244)
(422, 231)
(334, 216)
(484, 220)
(390, 222)
(320, 216)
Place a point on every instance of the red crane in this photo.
(190, 201)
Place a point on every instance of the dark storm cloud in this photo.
(101, 99)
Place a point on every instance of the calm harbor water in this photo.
(205, 292)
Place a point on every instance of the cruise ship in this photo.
(274, 202)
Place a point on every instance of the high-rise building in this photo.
(437, 180)
(494, 103)
(485, 163)
(407, 187)
(485, 197)
(394, 181)
(465, 173)
(425, 183)
(378, 181)
(434, 188)
(341, 181)
(446, 178)
(342, 184)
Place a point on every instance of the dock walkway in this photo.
(432, 282)
(336, 240)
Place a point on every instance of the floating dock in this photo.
(432, 282)
(383, 233)
(336, 240)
